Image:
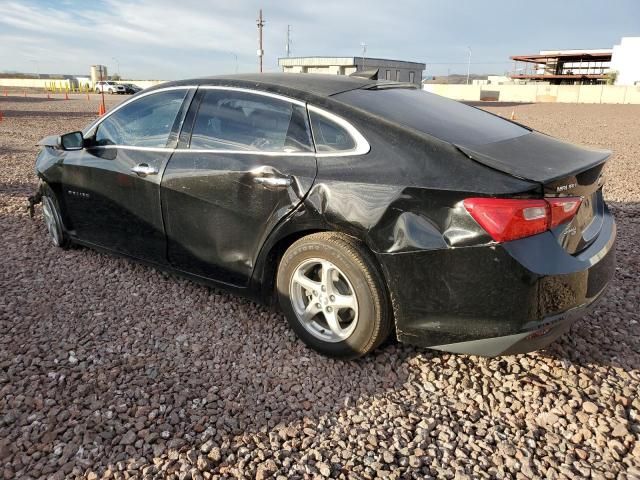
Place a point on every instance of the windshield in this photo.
(446, 119)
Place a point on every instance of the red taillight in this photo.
(563, 209)
(509, 219)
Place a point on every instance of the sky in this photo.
(172, 39)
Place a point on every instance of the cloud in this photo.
(183, 38)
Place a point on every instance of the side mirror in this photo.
(72, 141)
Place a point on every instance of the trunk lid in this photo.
(563, 170)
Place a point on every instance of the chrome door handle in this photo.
(144, 169)
(273, 182)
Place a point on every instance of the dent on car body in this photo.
(392, 219)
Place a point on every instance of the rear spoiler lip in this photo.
(593, 158)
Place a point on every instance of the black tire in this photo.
(97, 90)
(53, 219)
(111, 91)
(374, 317)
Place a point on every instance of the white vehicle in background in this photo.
(110, 87)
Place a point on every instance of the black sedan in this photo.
(363, 208)
(131, 88)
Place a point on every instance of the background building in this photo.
(98, 73)
(563, 66)
(619, 65)
(625, 60)
(396, 70)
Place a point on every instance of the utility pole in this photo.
(468, 65)
(260, 23)
(364, 52)
(236, 57)
(288, 40)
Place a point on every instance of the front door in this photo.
(248, 162)
(112, 188)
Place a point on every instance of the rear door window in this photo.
(242, 121)
(329, 136)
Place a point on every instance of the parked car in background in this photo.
(131, 88)
(110, 87)
(362, 207)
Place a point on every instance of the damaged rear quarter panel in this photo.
(405, 194)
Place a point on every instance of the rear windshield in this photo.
(440, 117)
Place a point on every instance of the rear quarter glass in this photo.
(448, 120)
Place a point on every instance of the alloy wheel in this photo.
(324, 300)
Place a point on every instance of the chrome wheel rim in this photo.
(48, 212)
(324, 300)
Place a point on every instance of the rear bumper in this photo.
(501, 299)
(549, 330)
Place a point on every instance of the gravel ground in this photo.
(110, 369)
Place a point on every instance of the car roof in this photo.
(293, 84)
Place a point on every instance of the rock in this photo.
(215, 454)
(324, 469)
(583, 455)
(590, 407)
(266, 470)
(547, 419)
(128, 438)
(620, 430)
(207, 446)
(388, 457)
(202, 463)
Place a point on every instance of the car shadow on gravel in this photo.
(144, 363)
(21, 191)
(10, 150)
(21, 99)
(45, 113)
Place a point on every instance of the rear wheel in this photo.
(53, 219)
(111, 91)
(333, 296)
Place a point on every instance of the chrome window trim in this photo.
(127, 102)
(250, 152)
(255, 92)
(200, 150)
(362, 146)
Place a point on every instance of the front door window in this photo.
(146, 122)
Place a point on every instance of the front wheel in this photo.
(111, 91)
(53, 219)
(333, 296)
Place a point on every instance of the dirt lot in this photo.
(112, 369)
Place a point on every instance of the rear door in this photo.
(245, 161)
(112, 189)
